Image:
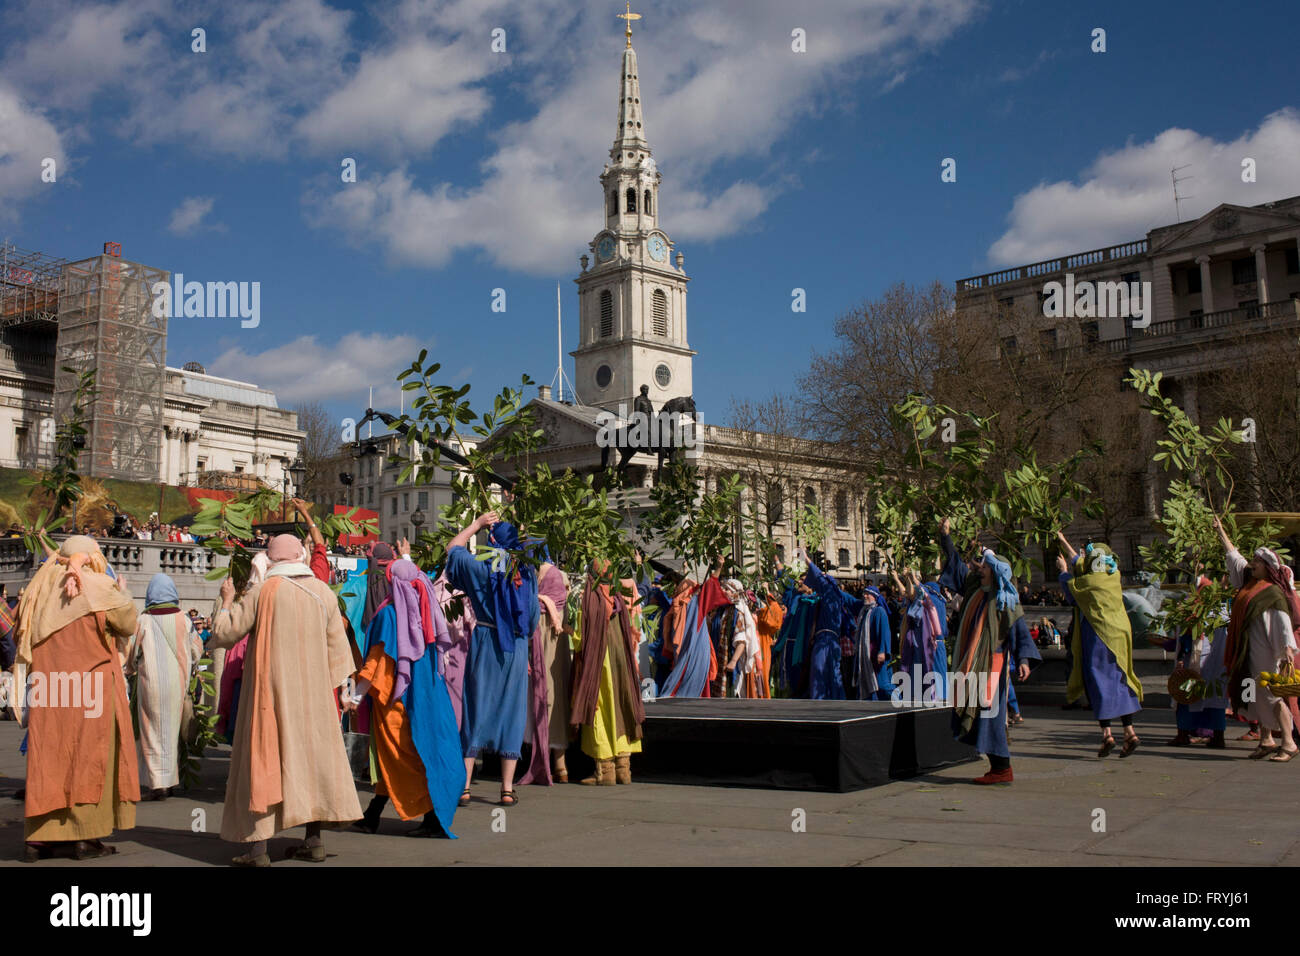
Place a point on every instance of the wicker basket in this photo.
(1186, 686)
(1292, 686)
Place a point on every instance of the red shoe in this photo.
(995, 776)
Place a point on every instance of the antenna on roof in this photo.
(1176, 179)
(560, 377)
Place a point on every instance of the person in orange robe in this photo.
(82, 780)
(413, 724)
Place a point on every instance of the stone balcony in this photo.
(1191, 330)
(135, 562)
(1050, 267)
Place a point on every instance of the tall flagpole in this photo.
(559, 342)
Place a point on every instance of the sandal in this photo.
(91, 850)
(1261, 752)
(301, 851)
(248, 859)
(465, 798)
(1282, 756)
(1015, 719)
(508, 798)
(1107, 745)
(1130, 745)
(1250, 735)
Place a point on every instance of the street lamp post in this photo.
(417, 522)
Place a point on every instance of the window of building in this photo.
(841, 509)
(1009, 346)
(875, 559)
(659, 307)
(645, 204)
(1047, 339)
(1243, 270)
(631, 200)
(775, 503)
(370, 496)
(392, 510)
(1128, 278)
(239, 469)
(780, 553)
(606, 313)
(1007, 304)
(1193, 279)
(422, 500)
(1090, 333)
(810, 497)
(842, 559)
(406, 501)
(1251, 306)
(1293, 261)
(201, 464)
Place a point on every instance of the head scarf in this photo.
(419, 618)
(880, 598)
(512, 586)
(162, 594)
(1281, 576)
(377, 586)
(1007, 597)
(285, 547)
(66, 587)
(260, 565)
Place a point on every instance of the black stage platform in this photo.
(837, 745)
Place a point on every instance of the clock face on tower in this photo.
(657, 248)
(606, 249)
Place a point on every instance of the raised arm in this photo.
(954, 571)
(304, 512)
(478, 524)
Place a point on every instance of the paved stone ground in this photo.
(1163, 807)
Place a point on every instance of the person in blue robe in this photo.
(992, 640)
(875, 647)
(824, 679)
(503, 592)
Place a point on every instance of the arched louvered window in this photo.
(606, 314)
(631, 201)
(659, 306)
(645, 203)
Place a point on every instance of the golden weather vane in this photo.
(629, 17)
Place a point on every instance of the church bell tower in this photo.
(632, 296)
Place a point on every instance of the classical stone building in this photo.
(1221, 288)
(149, 422)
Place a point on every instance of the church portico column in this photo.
(1207, 290)
(1261, 273)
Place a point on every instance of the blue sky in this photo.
(478, 170)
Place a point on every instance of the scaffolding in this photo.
(29, 286)
(106, 322)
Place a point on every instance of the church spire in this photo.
(630, 137)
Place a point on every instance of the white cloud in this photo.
(717, 90)
(283, 78)
(1127, 192)
(306, 369)
(27, 139)
(188, 216)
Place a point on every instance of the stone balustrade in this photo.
(135, 562)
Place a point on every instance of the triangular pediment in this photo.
(1224, 221)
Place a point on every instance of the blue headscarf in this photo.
(513, 587)
(880, 598)
(161, 590)
(1006, 589)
